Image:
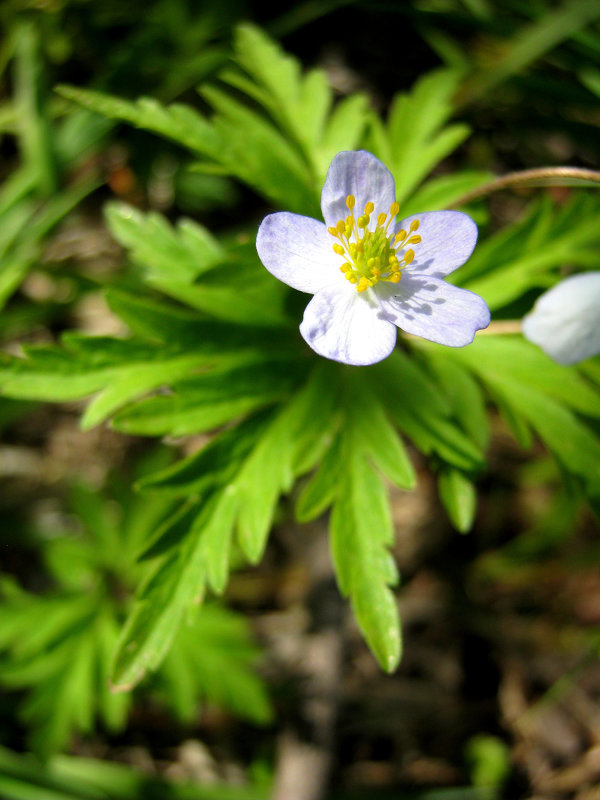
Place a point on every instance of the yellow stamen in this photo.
(375, 255)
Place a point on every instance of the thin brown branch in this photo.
(539, 176)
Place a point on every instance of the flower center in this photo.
(372, 256)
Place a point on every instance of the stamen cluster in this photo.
(372, 256)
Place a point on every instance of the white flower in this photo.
(370, 273)
(565, 321)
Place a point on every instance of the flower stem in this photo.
(538, 176)
(498, 327)
(501, 326)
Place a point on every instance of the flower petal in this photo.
(297, 250)
(341, 324)
(358, 173)
(565, 321)
(447, 241)
(436, 310)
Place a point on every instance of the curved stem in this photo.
(539, 176)
(501, 326)
(495, 328)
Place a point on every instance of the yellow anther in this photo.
(370, 256)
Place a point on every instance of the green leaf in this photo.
(35, 140)
(237, 480)
(258, 154)
(459, 497)
(212, 658)
(322, 488)
(206, 401)
(274, 463)
(463, 392)
(149, 630)
(528, 253)
(361, 531)
(377, 436)
(414, 141)
(543, 394)
(529, 43)
(179, 254)
(443, 192)
(423, 412)
(178, 122)
(300, 105)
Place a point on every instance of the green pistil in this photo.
(371, 255)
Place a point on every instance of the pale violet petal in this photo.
(360, 174)
(343, 325)
(297, 250)
(433, 309)
(447, 240)
(565, 321)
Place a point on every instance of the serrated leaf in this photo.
(321, 490)
(543, 394)
(468, 403)
(422, 411)
(361, 531)
(414, 141)
(527, 254)
(206, 401)
(212, 657)
(178, 254)
(178, 122)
